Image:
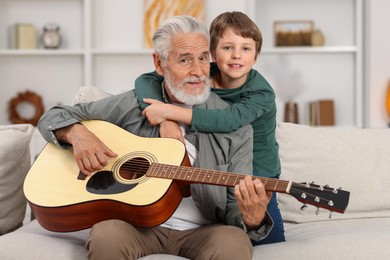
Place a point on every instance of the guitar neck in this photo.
(205, 176)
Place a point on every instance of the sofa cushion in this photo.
(34, 242)
(14, 165)
(355, 159)
(89, 94)
(342, 239)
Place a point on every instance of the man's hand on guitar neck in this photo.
(90, 152)
(252, 201)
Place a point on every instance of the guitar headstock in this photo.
(320, 196)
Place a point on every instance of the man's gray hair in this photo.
(176, 25)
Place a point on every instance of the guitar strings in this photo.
(140, 165)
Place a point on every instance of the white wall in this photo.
(377, 61)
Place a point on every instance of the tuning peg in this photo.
(330, 214)
(304, 206)
(317, 211)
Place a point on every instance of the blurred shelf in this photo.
(41, 52)
(309, 50)
(121, 51)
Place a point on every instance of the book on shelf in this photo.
(322, 113)
(23, 36)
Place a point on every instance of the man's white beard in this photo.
(178, 91)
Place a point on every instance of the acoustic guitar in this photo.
(143, 185)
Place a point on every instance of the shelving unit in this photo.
(333, 71)
(53, 74)
(103, 46)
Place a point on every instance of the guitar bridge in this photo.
(81, 176)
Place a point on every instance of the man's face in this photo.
(186, 71)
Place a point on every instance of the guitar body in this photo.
(143, 185)
(62, 201)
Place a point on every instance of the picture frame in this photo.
(157, 11)
(293, 33)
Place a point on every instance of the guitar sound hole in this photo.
(134, 168)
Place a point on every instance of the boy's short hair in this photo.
(240, 23)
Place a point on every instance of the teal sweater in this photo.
(252, 103)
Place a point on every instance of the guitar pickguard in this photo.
(129, 169)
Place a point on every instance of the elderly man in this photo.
(215, 222)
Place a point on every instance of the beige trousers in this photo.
(115, 239)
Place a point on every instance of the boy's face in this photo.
(235, 57)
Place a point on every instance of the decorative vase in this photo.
(317, 38)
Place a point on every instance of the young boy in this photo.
(235, 44)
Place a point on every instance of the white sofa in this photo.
(355, 159)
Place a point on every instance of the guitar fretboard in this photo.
(205, 176)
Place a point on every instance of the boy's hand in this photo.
(156, 112)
